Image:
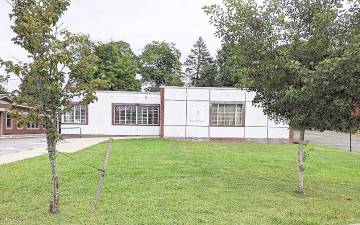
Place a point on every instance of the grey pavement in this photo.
(15, 149)
(15, 145)
(333, 139)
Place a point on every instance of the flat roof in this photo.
(213, 88)
(130, 92)
(174, 87)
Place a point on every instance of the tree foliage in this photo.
(229, 72)
(296, 56)
(160, 65)
(200, 69)
(118, 65)
(3, 79)
(60, 68)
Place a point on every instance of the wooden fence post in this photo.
(102, 173)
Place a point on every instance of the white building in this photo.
(175, 112)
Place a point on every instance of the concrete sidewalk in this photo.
(332, 139)
(67, 146)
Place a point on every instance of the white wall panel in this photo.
(250, 96)
(273, 124)
(175, 113)
(254, 116)
(100, 115)
(227, 132)
(255, 132)
(219, 95)
(278, 132)
(197, 132)
(198, 113)
(174, 131)
(176, 116)
(175, 93)
(198, 94)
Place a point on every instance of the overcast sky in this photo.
(137, 22)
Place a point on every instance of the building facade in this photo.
(176, 112)
(8, 124)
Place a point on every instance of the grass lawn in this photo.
(154, 181)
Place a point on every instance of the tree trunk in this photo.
(300, 162)
(55, 195)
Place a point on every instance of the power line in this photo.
(80, 161)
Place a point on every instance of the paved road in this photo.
(333, 139)
(9, 146)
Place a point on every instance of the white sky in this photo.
(137, 22)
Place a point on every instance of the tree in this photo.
(230, 74)
(118, 65)
(198, 59)
(209, 76)
(60, 69)
(160, 65)
(282, 47)
(3, 79)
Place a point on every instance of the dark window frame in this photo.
(86, 114)
(242, 119)
(7, 119)
(113, 114)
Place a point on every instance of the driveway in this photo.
(333, 139)
(16, 149)
(9, 146)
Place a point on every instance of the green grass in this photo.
(178, 182)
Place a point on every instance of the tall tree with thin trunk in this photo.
(60, 68)
(285, 48)
(196, 64)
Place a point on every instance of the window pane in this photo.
(136, 115)
(226, 114)
(238, 115)
(122, 111)
(76, 115)
(142, 115)
(8, 121)
(229, 115)
(153, 115)
(82, 114)
(214, 114)
(69, 117)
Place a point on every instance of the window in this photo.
(32, 125)
(8, 121)
(76, 115)
(136, 115)
(231, 115)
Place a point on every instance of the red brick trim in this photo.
(14, 130)
(162, 109)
